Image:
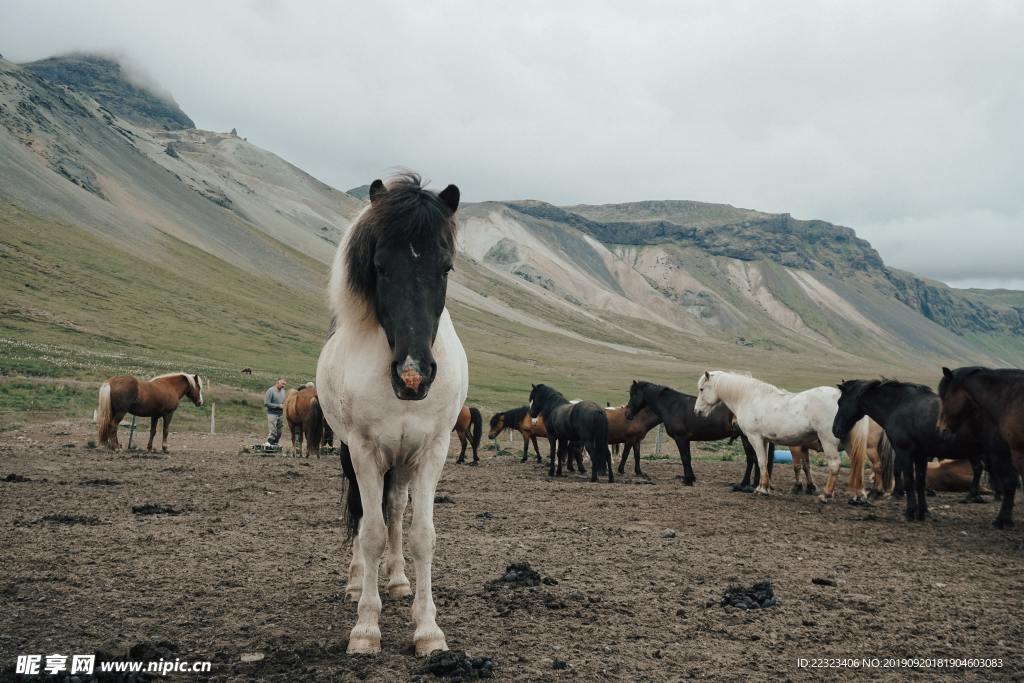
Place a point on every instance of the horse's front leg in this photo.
(462, 453)
(153, 421)
(167, 428)
(921, 484)
(974, 495)
(760, 448)
(365, 635)
(526, 446)
(799, 453)
(906, 459)
(428, 637)
(832, 455)
(394, 564)
(684, 454)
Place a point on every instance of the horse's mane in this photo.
(513, 416)
(191, 380)
(405, 212)
(731, 381)
(855, 388)
(547, 395)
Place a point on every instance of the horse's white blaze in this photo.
(384, 433)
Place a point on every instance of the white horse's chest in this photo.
(354, 385)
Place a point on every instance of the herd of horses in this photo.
(392, 379)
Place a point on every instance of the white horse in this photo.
(392, 378)
(767, 413)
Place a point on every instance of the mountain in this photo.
(108, 197)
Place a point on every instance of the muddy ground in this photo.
(243, 554)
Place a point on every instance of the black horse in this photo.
(585, 422)
(675, 409)
(908, 413)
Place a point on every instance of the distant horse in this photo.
(584, 421)
(519, 419)
(909, 413)
(683, 425)
(246, 371)
(157, 398)
(994, 398)
(629, 429)
(305, 418)
(766, 413)
(392, 380)
(469, 427)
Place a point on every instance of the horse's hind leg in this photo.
(428, 636)
(760, 447)
(394, 564)
(167, 428)
(806, 464)
(625, 456)
(152, 431)
(832, 455)
(636, 458)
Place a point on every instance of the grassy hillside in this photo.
(76, 307)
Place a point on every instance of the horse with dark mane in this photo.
(675, 410)
(305, 419)
(469, 429)
(994, 398)
(909, 414)
(529, 428)
(157, 399)
(583, 421)
(392, 379)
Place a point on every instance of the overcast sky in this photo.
(902, 120)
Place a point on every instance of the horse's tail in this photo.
(104, 416)
(887, 455)
(316, 426)
(858, 452)
(353, 500)
(476, 427)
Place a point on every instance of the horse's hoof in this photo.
(474, 463)
(811, 489)
(363, 645)
(460, 461)
(622, 470)
(797, 489)
(824, 499)
(638, 473)
(1002, 523)
(399, 591)
(859, 502)
(688, 482)
(425, 646)
(761, 491)
(876, 495)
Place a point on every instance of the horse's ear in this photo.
(377, 189)
(947, 373)
(533, 386)
(707, 374)
(450, 196)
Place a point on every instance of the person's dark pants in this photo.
(274, 424)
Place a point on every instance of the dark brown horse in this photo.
(470, 428)
(519, 420)
(155, 399)
(305, 419)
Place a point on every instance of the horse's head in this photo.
(398, 261)
(497, 425)
(707, 394)
(956, 404)
(195, 389)
(540, 396)
(850, 408)
(637, 399)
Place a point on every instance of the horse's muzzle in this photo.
(409, 382)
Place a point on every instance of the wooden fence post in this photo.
(131, 433)
(213, 418)
(657, 443)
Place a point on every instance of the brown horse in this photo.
(156, 398)
(867, 443)
(305, 419)
(630, 432)
(519, 419)
(469, 427)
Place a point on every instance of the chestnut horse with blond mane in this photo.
(156, 398)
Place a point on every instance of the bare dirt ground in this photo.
(255, 563)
